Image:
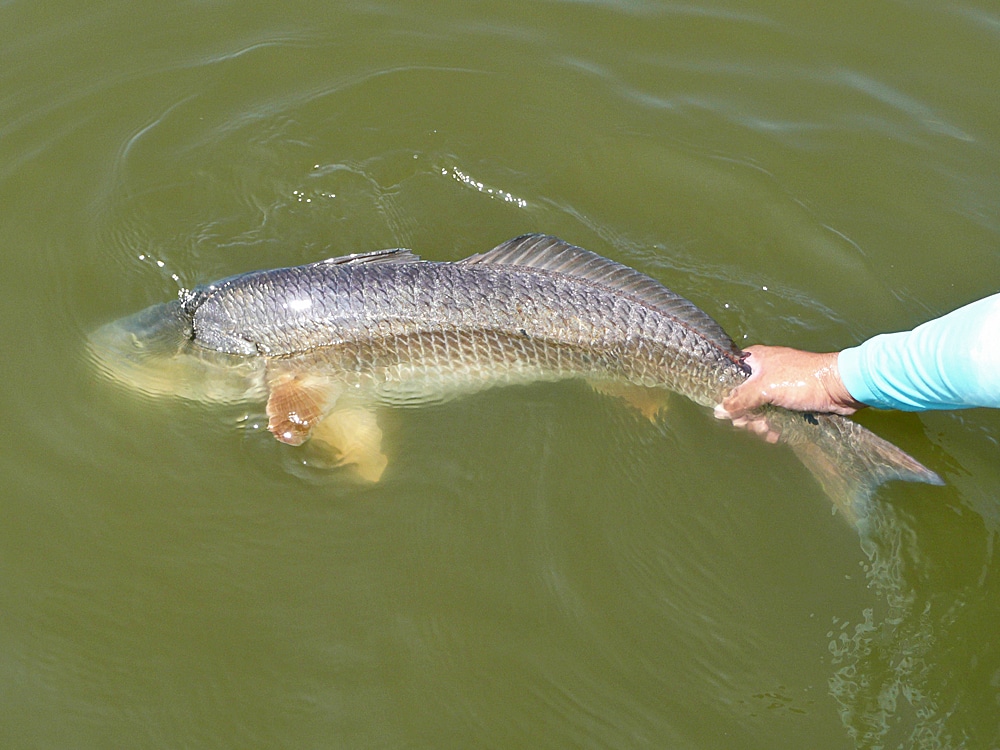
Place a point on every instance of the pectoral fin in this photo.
(296, 404)
(353, 438)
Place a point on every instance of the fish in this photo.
(328, 344)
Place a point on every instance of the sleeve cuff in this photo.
(849, 365)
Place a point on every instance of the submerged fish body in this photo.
(326, 342)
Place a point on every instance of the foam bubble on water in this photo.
(468, 180)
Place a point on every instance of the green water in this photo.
(539, 568)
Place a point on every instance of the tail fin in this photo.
(848, 460)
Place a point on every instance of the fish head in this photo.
(154, 353)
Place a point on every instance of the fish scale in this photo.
(382, 303)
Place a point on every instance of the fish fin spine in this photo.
(295, 404)
(387, 256)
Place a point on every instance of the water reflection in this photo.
(881, 672)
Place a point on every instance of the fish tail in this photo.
(849, 461)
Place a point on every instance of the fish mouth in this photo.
(153, 352)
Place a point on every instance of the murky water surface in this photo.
(539, 567)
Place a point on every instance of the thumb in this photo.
(745, 397)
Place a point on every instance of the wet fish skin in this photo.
(334, 338)
(500, 321)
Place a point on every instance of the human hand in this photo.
(790, 378)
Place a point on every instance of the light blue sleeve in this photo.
(952, 362)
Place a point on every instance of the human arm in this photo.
(947, 363)
(951, 362)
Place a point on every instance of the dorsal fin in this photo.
(391, 255)
(558, 256)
